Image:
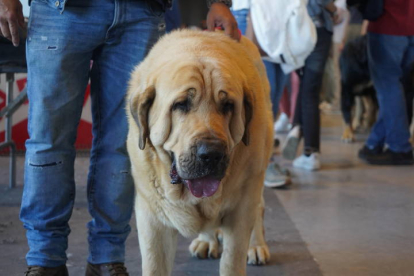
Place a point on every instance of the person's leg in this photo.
(284, 104)
(386, 55)
(295, 84)
(173, 17)
(277, 80)
(282, 123)
(309, 93)
(408, 79)
(59, 48)
(275, 176)
(310, 85)
(110, 185)
(294, 136)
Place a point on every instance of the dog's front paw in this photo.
(258, 255)
(348, 135)
(205, 247)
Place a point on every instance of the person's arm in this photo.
(11, 17)
(220, 16)
(364, 27)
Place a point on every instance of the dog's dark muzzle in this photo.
(210, 155)
(207, 158)
(202, 168)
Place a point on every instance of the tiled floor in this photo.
(348, 219)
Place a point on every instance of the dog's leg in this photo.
(347, 101)
(206, 245)
(348, 134)
(237, 227)
(369, 116)
(258, 253)
(359, 110)
(156, 241)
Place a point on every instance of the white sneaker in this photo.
(282, 124)
(310, 163)
(276, 177)
(291, 144)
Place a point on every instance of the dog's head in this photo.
(197, 111)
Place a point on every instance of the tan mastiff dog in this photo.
(200, 138)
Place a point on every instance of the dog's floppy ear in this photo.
(248, 114)
(139, 107)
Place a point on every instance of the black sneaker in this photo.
(47, 271)
(366, 152)
(110, 269)
(390, 157)
(276, 143)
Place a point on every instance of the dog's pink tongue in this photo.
(203, 187)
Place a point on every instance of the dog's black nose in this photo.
(210, 153)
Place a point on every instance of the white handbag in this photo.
(284, 30)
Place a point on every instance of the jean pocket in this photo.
(156, 8)
(44, 32)
(54, 4)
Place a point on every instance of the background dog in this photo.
(359, 105)
(200, 138)
(358, 101)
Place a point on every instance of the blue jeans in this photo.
(277, 78)
(390, 62)
(62, 40)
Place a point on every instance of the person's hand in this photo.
(220, 16)
(11, 17)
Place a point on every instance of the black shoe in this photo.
(276, 143)
(111, 269)
(47, 271)
(390, 157)
(366, 152)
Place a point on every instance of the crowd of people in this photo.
(120, 33)
(351, 60)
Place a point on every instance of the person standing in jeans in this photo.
(307, 118)
(391, 59)
(63, 37)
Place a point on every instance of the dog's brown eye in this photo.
(183, 106)
(227, 107)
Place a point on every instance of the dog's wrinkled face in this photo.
(196, 113)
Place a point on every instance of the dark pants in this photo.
(307, 105)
